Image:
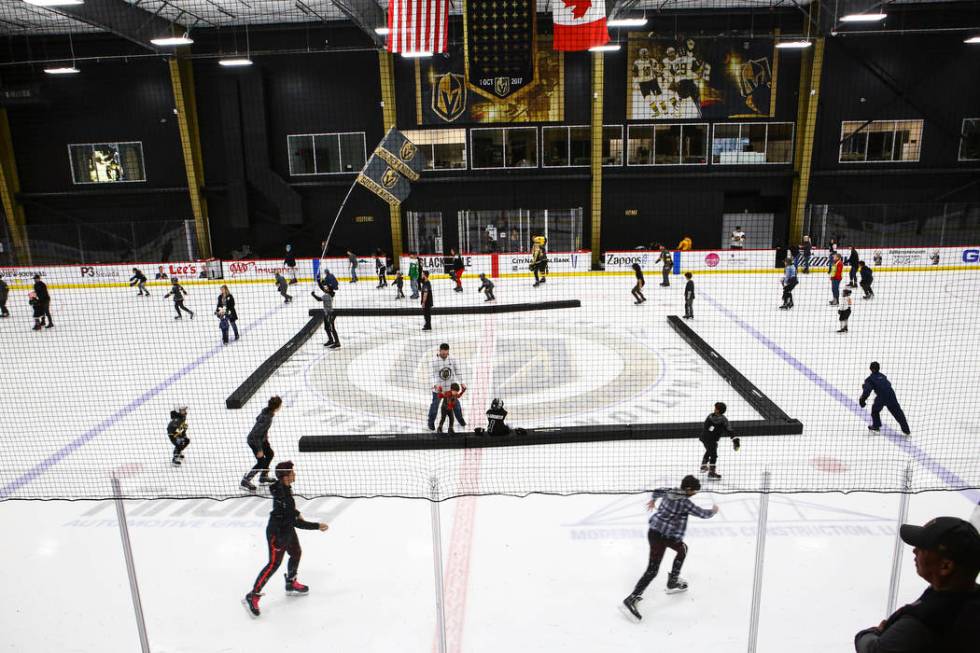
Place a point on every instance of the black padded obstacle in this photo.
(775, 421)
(251, 385)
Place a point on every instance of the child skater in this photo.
(844, 310)
(380, 260)
(667, 528)
(638, 288)
(487, 287)
(177, 432)
(283, 287)
(178, 293)
(224, 323)
(715, 426)
(38, 308)
(449, 399)
(399, 283)
(139, 280)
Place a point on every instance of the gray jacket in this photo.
(259, 435)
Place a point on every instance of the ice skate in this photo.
(713, 474)
(175, 461)
(246, 484)
(251, 602)
(265, 479)
(295, 588)
(676, 585)
(875, 429)
(630, 608)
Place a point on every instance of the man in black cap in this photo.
(946, 617)
(884, 398)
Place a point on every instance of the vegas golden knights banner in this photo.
(499, 38)
(444, 98)
(393, 165)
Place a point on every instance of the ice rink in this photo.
(90, 399)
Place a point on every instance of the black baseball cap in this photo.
(954, 538)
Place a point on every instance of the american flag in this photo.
(418, 25)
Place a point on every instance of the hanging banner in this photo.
(443, 96)
(499, 38)
(699, 78)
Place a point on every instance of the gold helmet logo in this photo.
(407, 153)
(389, 178)
(449, 96)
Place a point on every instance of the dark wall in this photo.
(932, 78)
(108, 102)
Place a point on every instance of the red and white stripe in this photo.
(418, 25)
(579, 24)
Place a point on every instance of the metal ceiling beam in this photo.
(122, 19)
(367, 15)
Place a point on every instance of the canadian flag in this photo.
(579, 24)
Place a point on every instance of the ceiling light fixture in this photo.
(793, 45)
(609, 47)
(416, 55)
(54, 3)
(235, 61)
(172, 41)
(626, 22)
(973, 40)
(863, 18)
(62, 70)
(382, 31)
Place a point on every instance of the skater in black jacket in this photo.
(44, 301)
(715, 426)
(486, 286)
(139, 280)
(227, 301)
(177, 432)
(399, 283)
(178, 293)
(854, 260)
(637, 291)
(867, 278)
(290, 262)
(258, 442)
(884, 398)
(4, 293)
(381, 267)
(281, 537)
(688, 297)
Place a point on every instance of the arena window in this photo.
(100, 163)
(748, 143)
(880, 141)
(970, 140)
(513, 147)
(326, 154)
(445, 149)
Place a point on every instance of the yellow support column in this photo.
(595, 213)
(386, 71)
(811, 70)
(182, 82)
(9, 187)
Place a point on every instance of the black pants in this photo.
(866, 287)
(893, 408)
(638, 292)
(427, 314)
(788, 292)
(382, 278)
(489, 294)
(853, 274)
(179, 444)
(279, 545)
(261, 464)
(46, 309)
(446, 413)
(3, 306)
(688, 307)
(328, 326)
(286, 295)
(658, 546)
(179, 306)
(806, 264)
(666, 276)
(141, 286)
(710, 456)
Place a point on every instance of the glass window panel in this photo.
(694, 139)
(612, 146)
(300, 155)
(854, 148)
(970, 140)
(131, 156)
(488, 148)
(727, 143)
(555, 145)
(352, 152)
(522, 148)
(327, 151)
(880, 145)
(908, 140)
(99, 163)
(667, 145)
(780, 144)
(444, 149)
(756, 151)
(448, 156)
(581, 146)
(640, 145)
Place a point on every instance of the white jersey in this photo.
(682, 67)
(738, 239)
(644, 70)
(444, 372)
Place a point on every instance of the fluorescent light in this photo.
(626, 22)
(795, 45)
(53, 3)
(167, 41)
(236, 61)
(609, 47)
(382, 31)
(62, 70)
(416, 55)
(973, 39)
(863, 18)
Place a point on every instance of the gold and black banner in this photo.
(401, 154)
(394, 164)
(500, 38)
(444, 98)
